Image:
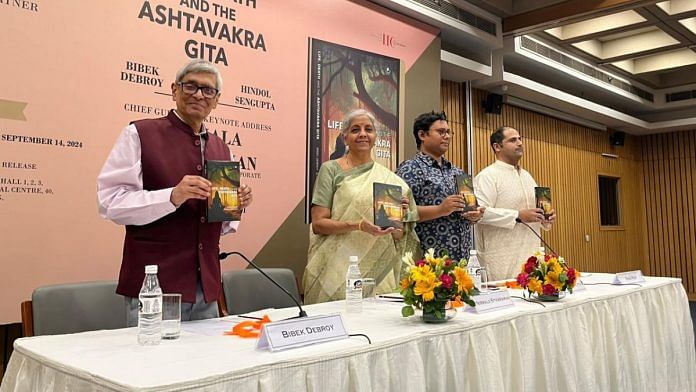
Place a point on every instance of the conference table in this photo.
(603, 338)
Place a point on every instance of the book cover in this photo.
(223, 202)
(543, 200)
(387, 205)
(465, 186)
(342, 79)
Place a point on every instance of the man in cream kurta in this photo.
(507, 192)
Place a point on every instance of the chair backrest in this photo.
(248, 290)
(76, 307)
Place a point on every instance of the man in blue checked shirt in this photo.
(442, 224)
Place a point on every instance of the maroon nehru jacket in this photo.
(182, 242)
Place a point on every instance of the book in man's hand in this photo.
(223, 202)
(465, 187)
(387, 205)
(543, 200)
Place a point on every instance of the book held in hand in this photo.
(543, 200)
(223, 202)
(387, 205)
(465, 186)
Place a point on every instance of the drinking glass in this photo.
(171, 316)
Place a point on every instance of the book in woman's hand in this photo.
(223, 202)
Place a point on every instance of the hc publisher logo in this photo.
(388, 40)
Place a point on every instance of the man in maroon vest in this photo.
(152, 183)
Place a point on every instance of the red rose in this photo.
(420, 263)
(532, 259)
(446, 281)
(448, 263)
(530, 266)
(523, 279)
(571, 276)
(547, 258)
(548, 289)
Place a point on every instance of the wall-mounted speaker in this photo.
(617, 138)
(493, 103)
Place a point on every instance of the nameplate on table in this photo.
(629, 277)
(492, 300)
(579, 286)
(305, 331)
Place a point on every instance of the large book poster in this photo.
(342, 79)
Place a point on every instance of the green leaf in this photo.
(407, 311)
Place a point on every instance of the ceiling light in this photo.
(596, 25)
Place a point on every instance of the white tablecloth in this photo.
(607, 338)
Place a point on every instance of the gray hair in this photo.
(352, 116)
(200, 66)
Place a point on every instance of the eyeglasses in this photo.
(192, 88)
(444, 132)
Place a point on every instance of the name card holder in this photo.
(488, 301)
(629, 277)
(579, 286)
(281, 335)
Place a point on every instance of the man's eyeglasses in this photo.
(192, 88)
(444, 132)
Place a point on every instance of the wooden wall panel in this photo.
(669, 173)
(453, 98)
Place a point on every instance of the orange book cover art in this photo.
(387, 205)
(223, 202)
(465, 187)
(543, 200)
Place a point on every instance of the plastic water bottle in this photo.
(472, 267)
(354, 295)
(150, 312)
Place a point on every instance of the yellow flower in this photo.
(552, 278)
(534, 285)
(405, 283)
(421, 273)
(426, 288)
(464, 282)
(555, 266)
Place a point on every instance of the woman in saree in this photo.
(342, 219)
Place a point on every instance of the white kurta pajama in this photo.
(502, 243)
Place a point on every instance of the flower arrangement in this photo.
(547, 275)
(433, 281)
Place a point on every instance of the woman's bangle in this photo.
(360, 225)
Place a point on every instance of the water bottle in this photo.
(354, 295)
(472, 267)
(150, 312)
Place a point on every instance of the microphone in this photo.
(224, 255)
(518, 220)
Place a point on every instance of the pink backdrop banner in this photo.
(75, 73)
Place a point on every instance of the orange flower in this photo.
(534, 285)
(405, 283)
(464, 282)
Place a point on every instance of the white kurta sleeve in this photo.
(120, 192)
(487, 194)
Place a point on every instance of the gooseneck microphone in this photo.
(224, 255)
(518, 220)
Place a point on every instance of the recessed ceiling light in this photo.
(596, 25)
(674, 7)
(658, 62)
(626, 43)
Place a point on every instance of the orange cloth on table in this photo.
(249, 329)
